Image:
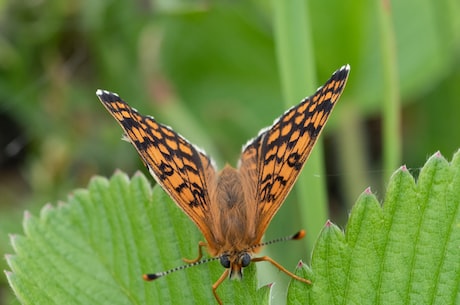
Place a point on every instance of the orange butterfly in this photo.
(233, 207)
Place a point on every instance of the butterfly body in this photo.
(232, 207)
(234, 230)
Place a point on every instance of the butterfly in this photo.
(233, 207)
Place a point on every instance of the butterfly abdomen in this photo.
(231, 213)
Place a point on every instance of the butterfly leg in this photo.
(281, 268)
(201, 244)
(217, 283)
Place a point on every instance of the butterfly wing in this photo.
(271, 163)
(180, 168)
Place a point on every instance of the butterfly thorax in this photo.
(232, 216)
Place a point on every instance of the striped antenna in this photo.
(154, 276)
(296, 236)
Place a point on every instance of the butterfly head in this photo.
(235, 262)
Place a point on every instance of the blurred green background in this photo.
(209, 69)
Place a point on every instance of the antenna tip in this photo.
(150, 277)
(299, 235)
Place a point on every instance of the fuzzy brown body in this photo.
(232, 214)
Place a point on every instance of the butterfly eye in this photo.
(245, 259)
(225, 261)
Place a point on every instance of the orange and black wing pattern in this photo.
(183, 170)
(272, 161)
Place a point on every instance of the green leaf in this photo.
(406, 252)
(95, 248)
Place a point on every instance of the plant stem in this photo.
(297, 73)
(391, 106)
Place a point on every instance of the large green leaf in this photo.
(94, 249)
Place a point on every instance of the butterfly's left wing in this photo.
(271, 163)
(184, 172)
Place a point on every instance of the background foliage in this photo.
(209, 69)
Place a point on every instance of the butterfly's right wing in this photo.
(271, 163)
(183, 171)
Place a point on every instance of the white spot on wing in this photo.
(100, 92)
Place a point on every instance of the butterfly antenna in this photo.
(296, 236)
(154, 276)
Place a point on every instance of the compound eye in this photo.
(245, 259)
(225, 261)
